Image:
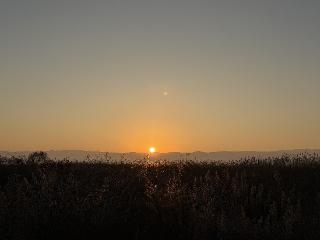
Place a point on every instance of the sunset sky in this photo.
(177, 75)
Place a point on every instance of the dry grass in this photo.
(249, 199)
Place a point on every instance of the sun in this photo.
(152, 150)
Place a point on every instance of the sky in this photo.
(177, 75)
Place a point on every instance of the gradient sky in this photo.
(92, 75)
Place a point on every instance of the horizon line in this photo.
(146, 152)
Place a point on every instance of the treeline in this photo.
(247, 199)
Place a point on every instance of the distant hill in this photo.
(78, 155)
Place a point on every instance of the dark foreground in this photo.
(273, 199)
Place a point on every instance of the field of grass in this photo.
(248, 199)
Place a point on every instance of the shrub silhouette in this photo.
(37, 158)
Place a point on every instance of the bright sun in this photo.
(152, 150)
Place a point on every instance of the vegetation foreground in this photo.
(248, 199)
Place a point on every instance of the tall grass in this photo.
(247, 199)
